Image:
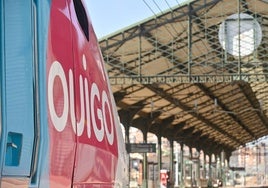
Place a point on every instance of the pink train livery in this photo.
(59, 125)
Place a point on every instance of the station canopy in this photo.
(196, 74)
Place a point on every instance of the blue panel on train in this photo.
(18, 84)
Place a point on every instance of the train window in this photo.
(82, 17)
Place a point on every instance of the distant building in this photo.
(250, 163)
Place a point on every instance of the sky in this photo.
(109, 16)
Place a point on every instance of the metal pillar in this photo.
(176, 174)
(159, 157)
(215, 172)
(171, 162)
(127, 140)
(191, 165)
(218, 166)
(127, 133)
(205, 166)
(182, 168)
(210, 171)
(223, 168)
(145, 165)
(198, 177)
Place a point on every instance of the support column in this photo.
(210, 171)
(182, 168)
(127, 140)
(159, 157)
(176, 174)
(145, 165)
(218, 166)
(198, 177)
(205, 166)
(171, 163)
(127, 133)
(191, 165)
(223, 167)
(204, 173)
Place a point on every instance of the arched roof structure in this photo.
(196, 74)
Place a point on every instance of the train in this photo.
(59, 123)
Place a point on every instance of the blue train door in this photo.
(17, 89)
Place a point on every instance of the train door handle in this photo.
(11, 144)
(13, 149)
